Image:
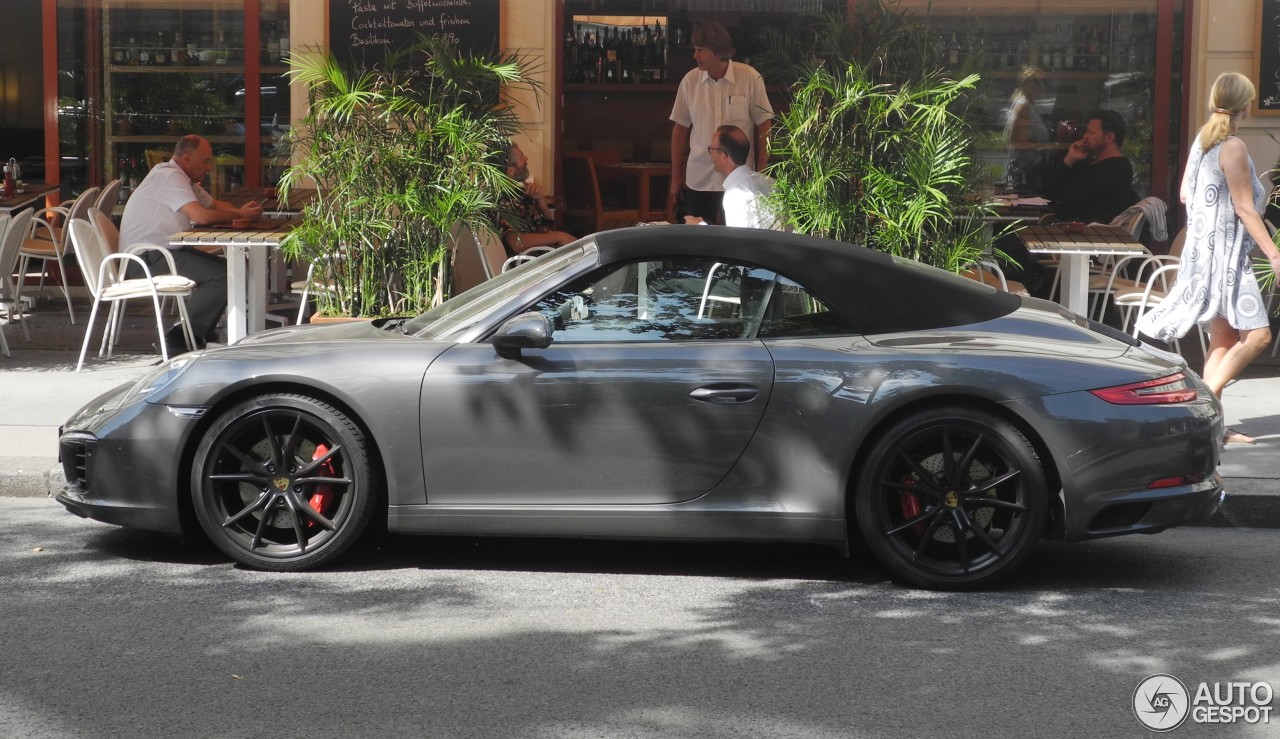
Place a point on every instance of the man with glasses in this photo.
(717, 92)
(745, 189)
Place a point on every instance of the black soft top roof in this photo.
(873, 291)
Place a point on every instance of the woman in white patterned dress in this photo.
(1216, 287)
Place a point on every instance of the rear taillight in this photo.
(1171, 389)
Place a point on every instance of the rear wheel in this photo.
(283, 482)
(952, 499)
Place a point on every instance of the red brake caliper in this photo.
(910, 503)
(323, 495)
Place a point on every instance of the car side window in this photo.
(684, 299)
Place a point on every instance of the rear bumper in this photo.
(1147, 511)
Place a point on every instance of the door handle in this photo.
(727, 393)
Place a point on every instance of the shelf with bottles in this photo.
(612, 50)
(1085, 45)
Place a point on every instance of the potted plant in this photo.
(399, 154)
(874, 147)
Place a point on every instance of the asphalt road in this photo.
(106, 632)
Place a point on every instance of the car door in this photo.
(648, 395)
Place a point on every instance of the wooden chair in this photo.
(586, 212)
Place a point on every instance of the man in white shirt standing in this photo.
(745, 189)
(718, 92)
(171, 199)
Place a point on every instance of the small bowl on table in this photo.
(240, 223)
(1072, 227)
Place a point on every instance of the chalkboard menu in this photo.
(1268, 68)
(365, 31)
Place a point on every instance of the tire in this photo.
(910, 503)
(283, 482)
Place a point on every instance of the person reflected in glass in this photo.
(1216, 287)
(1025, 132)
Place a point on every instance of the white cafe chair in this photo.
(104, 276)
(53, 244)
(12, 233)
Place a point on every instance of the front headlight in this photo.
(160, 377)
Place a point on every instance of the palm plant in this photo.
(399, 154)
(874, 147)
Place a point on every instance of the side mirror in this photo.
(525, 331)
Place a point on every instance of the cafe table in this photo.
(644, 174)
(1075, 248)
(246, 252)
(31, 193)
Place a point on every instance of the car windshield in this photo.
(457, 313)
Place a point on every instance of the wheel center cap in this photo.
(281, 483)
(952, 500)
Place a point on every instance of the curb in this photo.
(26, 477)
(1251, 502)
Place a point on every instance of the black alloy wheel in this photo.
(283, 482)
(952, 499)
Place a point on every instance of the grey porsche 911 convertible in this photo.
(674, 382)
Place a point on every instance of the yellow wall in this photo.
(1224, 38)
(527, 29)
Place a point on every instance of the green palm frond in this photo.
(399, 152)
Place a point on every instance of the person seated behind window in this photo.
(531, 207)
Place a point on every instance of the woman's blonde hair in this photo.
(1026, 75)
(1232, 92)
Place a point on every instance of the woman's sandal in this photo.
(1233, 437)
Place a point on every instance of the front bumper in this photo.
(123, 463)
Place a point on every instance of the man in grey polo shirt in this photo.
(171, 199)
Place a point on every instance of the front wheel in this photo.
(951, 499)
(283, 482)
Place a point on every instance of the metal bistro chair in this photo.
(52, 246)
(1157, 286)
(11, 237)
(104, 276)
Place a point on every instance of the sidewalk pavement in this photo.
(39, 389)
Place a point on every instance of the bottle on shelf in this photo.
(283, 40)
(220, 56)
(122, 171)
(160, 57)
(177, 51)
(133, 175)
(144, 56)
(272, 45)
(193, 51)
(131, 52)
(597, 58)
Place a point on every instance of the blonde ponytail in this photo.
(1232, 92)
